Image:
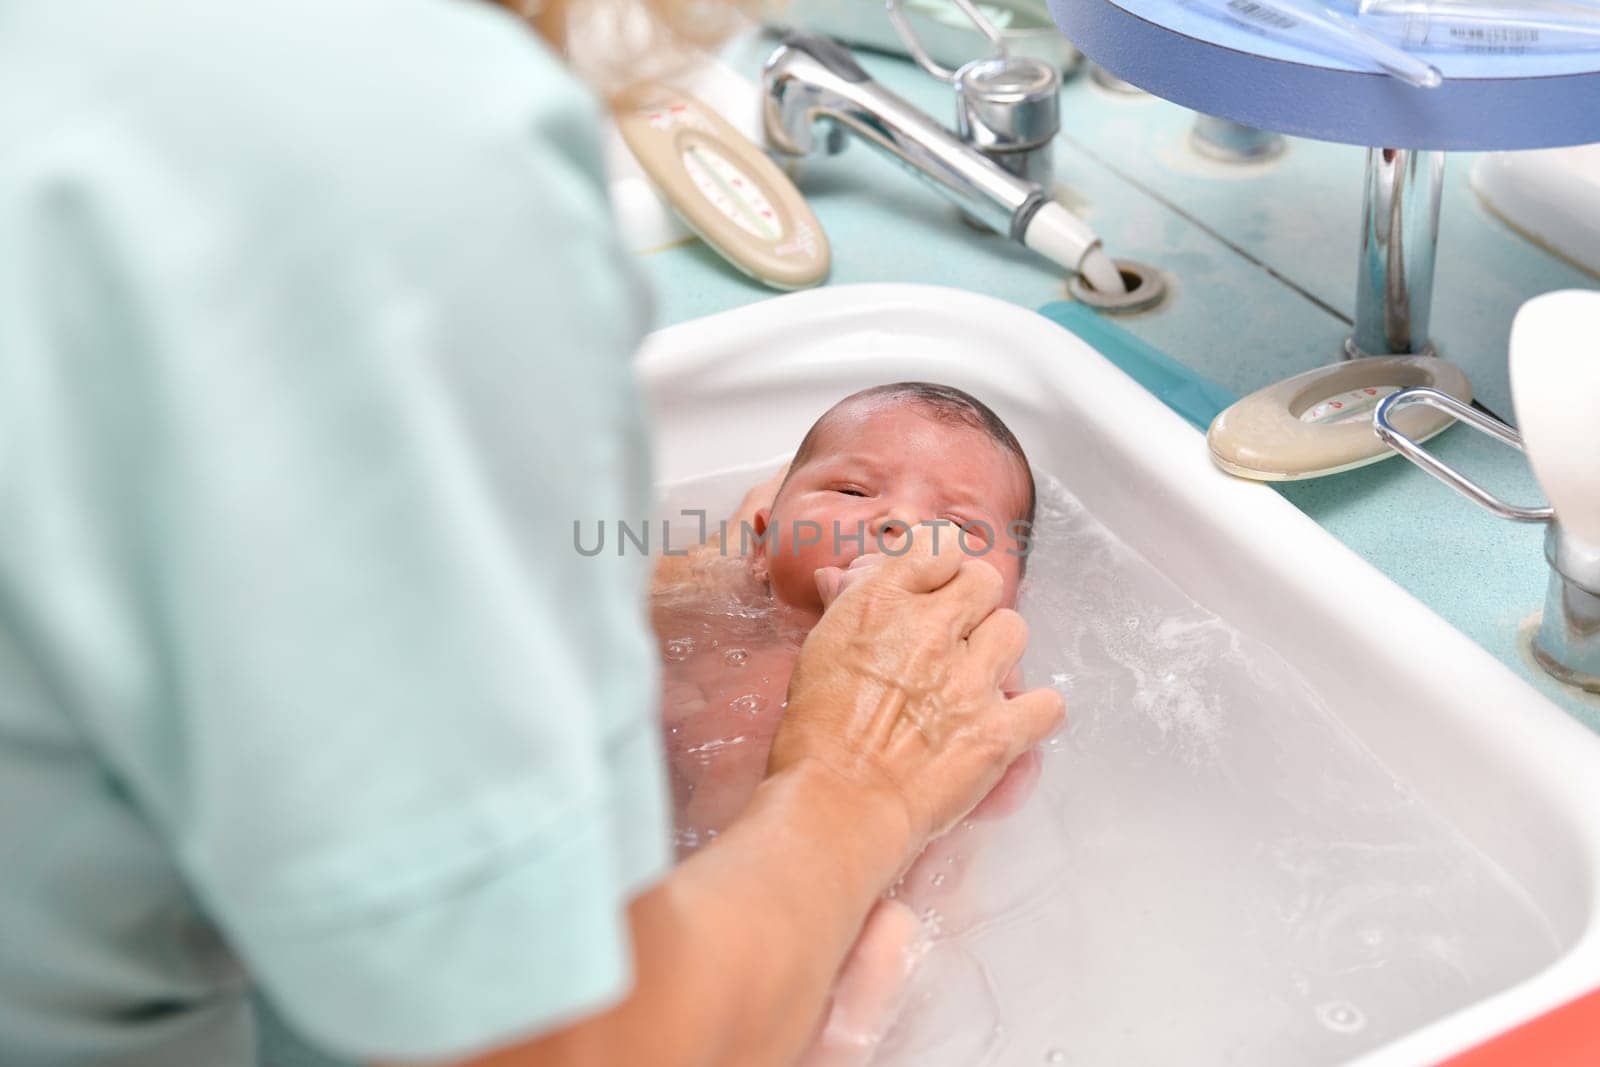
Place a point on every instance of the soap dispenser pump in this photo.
(1555, 385)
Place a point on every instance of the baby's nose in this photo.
(897, 520)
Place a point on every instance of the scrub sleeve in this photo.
(314, 347)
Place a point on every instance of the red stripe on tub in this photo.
(1566, 1037)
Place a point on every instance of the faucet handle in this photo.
(1009, 104)
(1555, 385)
(1008, 107)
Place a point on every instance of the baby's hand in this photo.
(1016, 785)
(1013, 789)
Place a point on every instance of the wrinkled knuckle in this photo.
(995, 747)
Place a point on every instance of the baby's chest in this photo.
(727, 692)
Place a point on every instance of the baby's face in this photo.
(882, 464)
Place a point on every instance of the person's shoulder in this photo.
(401, 86)
(312, 98)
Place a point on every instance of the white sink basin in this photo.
(1551, 196)
(1338, 830)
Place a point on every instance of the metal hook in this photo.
(1447, 474)
(902, 26)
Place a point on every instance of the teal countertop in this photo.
(1261, 262)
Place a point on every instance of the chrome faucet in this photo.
(811, 81)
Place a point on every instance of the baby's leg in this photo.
(870, 987)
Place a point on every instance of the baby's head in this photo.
(895, 457)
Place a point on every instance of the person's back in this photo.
(199, 437)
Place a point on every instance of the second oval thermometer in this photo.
(724, 187)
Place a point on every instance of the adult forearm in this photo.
(762, 919)
(736, 950)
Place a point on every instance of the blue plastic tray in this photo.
(1213, 65)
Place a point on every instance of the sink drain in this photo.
(1145, 289)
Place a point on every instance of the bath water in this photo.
(1211, 870)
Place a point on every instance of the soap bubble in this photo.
(1341, 1016)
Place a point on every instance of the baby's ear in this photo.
(760, 522)
(763, 519)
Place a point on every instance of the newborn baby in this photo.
(909, 456)
(732, 613)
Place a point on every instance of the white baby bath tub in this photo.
(1482, 751)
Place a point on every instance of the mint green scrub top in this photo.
(315, 341)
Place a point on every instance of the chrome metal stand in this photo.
(1233, 142)
(1113, 84)
(1568, 644)
(1399, 239)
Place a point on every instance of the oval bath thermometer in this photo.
(1320, 422)
(724, 187)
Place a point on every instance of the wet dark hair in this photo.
(944, 403)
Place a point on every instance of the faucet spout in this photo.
(811, 80)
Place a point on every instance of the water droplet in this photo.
(748, 704)
(1341, 1016)
(710, 748)
(1055, 1055)
(937, 879)
(735, 657)
(679, 649)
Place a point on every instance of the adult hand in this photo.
(898, 689)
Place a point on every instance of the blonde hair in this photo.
(616, 44)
